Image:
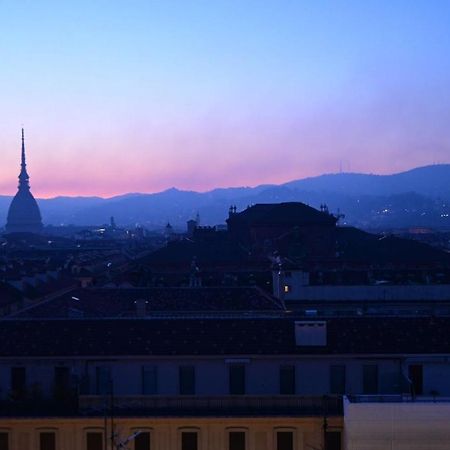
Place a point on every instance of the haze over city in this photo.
(141, 96)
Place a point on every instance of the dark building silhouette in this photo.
(24, 215)
(262, 227)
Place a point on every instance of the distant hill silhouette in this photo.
(417, 197)
(431, 181)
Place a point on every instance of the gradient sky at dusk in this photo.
(127, 96)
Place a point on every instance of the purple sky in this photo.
(141, 96)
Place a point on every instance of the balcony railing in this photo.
(175, 406)
(398, 398)
(242, 405)
(39, 407)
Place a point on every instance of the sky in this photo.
(140, 96)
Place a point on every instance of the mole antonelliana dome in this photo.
(24, 215)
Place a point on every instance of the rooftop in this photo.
(9, 294)
(290, 213)
(243, 336)
(218, 251)
(354, 244)
(122, 302)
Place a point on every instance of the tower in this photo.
(23, 214)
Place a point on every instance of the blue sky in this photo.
(145, 95)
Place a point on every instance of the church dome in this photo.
(24, 215)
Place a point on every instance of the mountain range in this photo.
(418, 197)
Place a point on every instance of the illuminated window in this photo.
(287, 288)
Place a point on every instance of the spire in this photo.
(23, 150)
(23, 176)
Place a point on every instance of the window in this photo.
(62, 381)
(333, 440)
(187, 380)
(287, 380)
(94, 440)
(237, 379)
(415, 372)
(285, 440)
(149, 380)
(370, 379)
(47, 440)
(18, 381)
(236, 440)
(142, 441)
(337, 379)
(103, 381)
(4, 440)
(287, 288)
(189, 440)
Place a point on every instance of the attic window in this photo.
(311, 333)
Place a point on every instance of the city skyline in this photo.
(196, 95)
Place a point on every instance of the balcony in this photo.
(397, 398)
(39, 407)
(217, 406)
(174, 406)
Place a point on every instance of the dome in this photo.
(23, 214)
